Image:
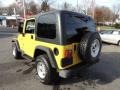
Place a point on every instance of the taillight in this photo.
(68, 53)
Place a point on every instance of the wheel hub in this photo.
(95, 47)
(14, 51)
(41, 69)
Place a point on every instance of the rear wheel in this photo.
(15, 52)
(90, 47)
(45, 72)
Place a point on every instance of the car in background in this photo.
(111, 36)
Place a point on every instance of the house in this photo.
(3, 21)
(9, 21)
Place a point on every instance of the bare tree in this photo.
(32, 9)
(92, 7)
(10, 10)
(67, 6)
(103, 14)
(107, 13)
(45, 6)
(98, 15)
(116, 11)
(0, 6)
(86, 5)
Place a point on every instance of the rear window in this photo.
(74, 23)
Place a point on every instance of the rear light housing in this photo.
(68, 58)
(68, 53)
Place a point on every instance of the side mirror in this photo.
(20, 27)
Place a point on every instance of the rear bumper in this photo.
(73, 70)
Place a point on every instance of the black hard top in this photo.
(62, 11)
(59, 12)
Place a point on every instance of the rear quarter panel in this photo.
(58, 58)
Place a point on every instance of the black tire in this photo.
(51, 73)
(118, 43)
(15, 52)
(85, 47)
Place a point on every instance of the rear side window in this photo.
(47, 26)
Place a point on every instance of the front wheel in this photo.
(15, 52)
(119, 43)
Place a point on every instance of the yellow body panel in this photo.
(28, 45)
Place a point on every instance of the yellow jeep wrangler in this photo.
(60, 43)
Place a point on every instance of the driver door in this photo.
(29, 37)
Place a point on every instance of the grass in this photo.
(106, 27)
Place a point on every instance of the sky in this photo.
(108, 3)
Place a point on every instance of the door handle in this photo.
(31, 36)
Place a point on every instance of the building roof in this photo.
(2, 17)
(13, 17)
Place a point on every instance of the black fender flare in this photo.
(50, 54)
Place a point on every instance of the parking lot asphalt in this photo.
(21, 75)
